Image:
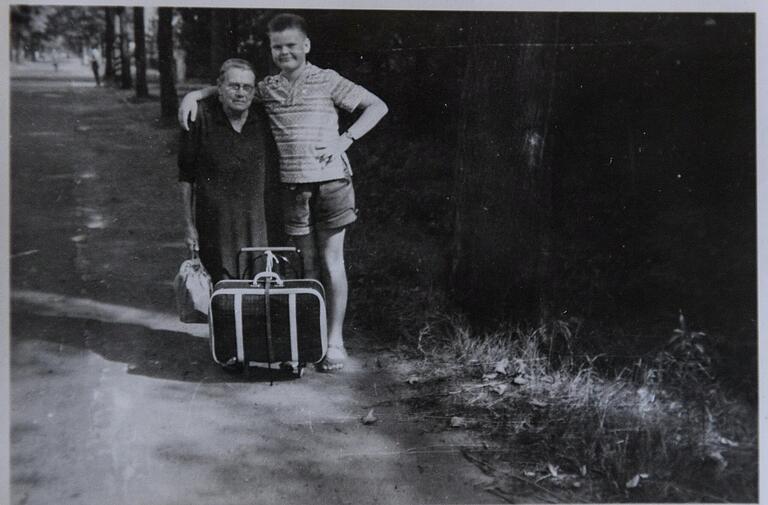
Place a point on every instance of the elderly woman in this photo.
(223, 162)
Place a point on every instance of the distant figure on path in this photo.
(223, 160)
(95, 56)
(55, 60)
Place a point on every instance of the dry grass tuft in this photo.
(655, 431)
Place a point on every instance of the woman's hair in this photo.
(285, 21)
(233, 63)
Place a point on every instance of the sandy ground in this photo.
(114, 401)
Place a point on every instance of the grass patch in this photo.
(659, 430)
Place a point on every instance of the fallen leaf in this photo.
(583, 470)
(726, 441)
(490, 376)
(633, 482)
(413, 379)
(500, 388)
(538, 403)
(718, 457)
(520, 381)
(644, 475)
(529, 473)
(458, 422)
(501, 366)
(552, 469)
(369, 418)
(576, 484)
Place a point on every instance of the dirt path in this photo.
(115, 402)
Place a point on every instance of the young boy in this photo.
(318, 198)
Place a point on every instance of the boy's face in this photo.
(289, 49)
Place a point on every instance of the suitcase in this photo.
(268, 321)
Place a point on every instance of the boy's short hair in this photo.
(233, 63)
(286, 21)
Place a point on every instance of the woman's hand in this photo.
(191, 238)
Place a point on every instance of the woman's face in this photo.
(237, 89)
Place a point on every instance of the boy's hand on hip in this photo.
(326, 151)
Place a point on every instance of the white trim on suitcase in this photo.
(323, 327)
(239, 326)
(210, 333)
(294, 330)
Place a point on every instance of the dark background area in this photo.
(651, 147)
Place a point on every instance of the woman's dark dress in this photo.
(227, 170)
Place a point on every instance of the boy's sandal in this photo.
(329, 364)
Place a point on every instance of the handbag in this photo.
(193, 291)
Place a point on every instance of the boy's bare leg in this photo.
(307, 246)
(323, 253)
(330, 245)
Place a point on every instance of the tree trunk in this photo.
(219, 40)
(233, 21)
(140, 53)
(168, 98)
(18, 47)
(503, 181)
(109, 52)
(125, 55)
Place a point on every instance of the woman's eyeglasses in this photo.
(234, 87)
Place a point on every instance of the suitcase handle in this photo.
(268, 275)
(265, 249)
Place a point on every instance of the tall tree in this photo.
(219, 39)
(29, 29)
(125, 53)
(168, 98)
(503, 178)
(21, 21)
(140, 53)
(109, 41)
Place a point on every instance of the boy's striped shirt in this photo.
(302, 115)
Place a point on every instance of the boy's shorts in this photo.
(322, 205)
